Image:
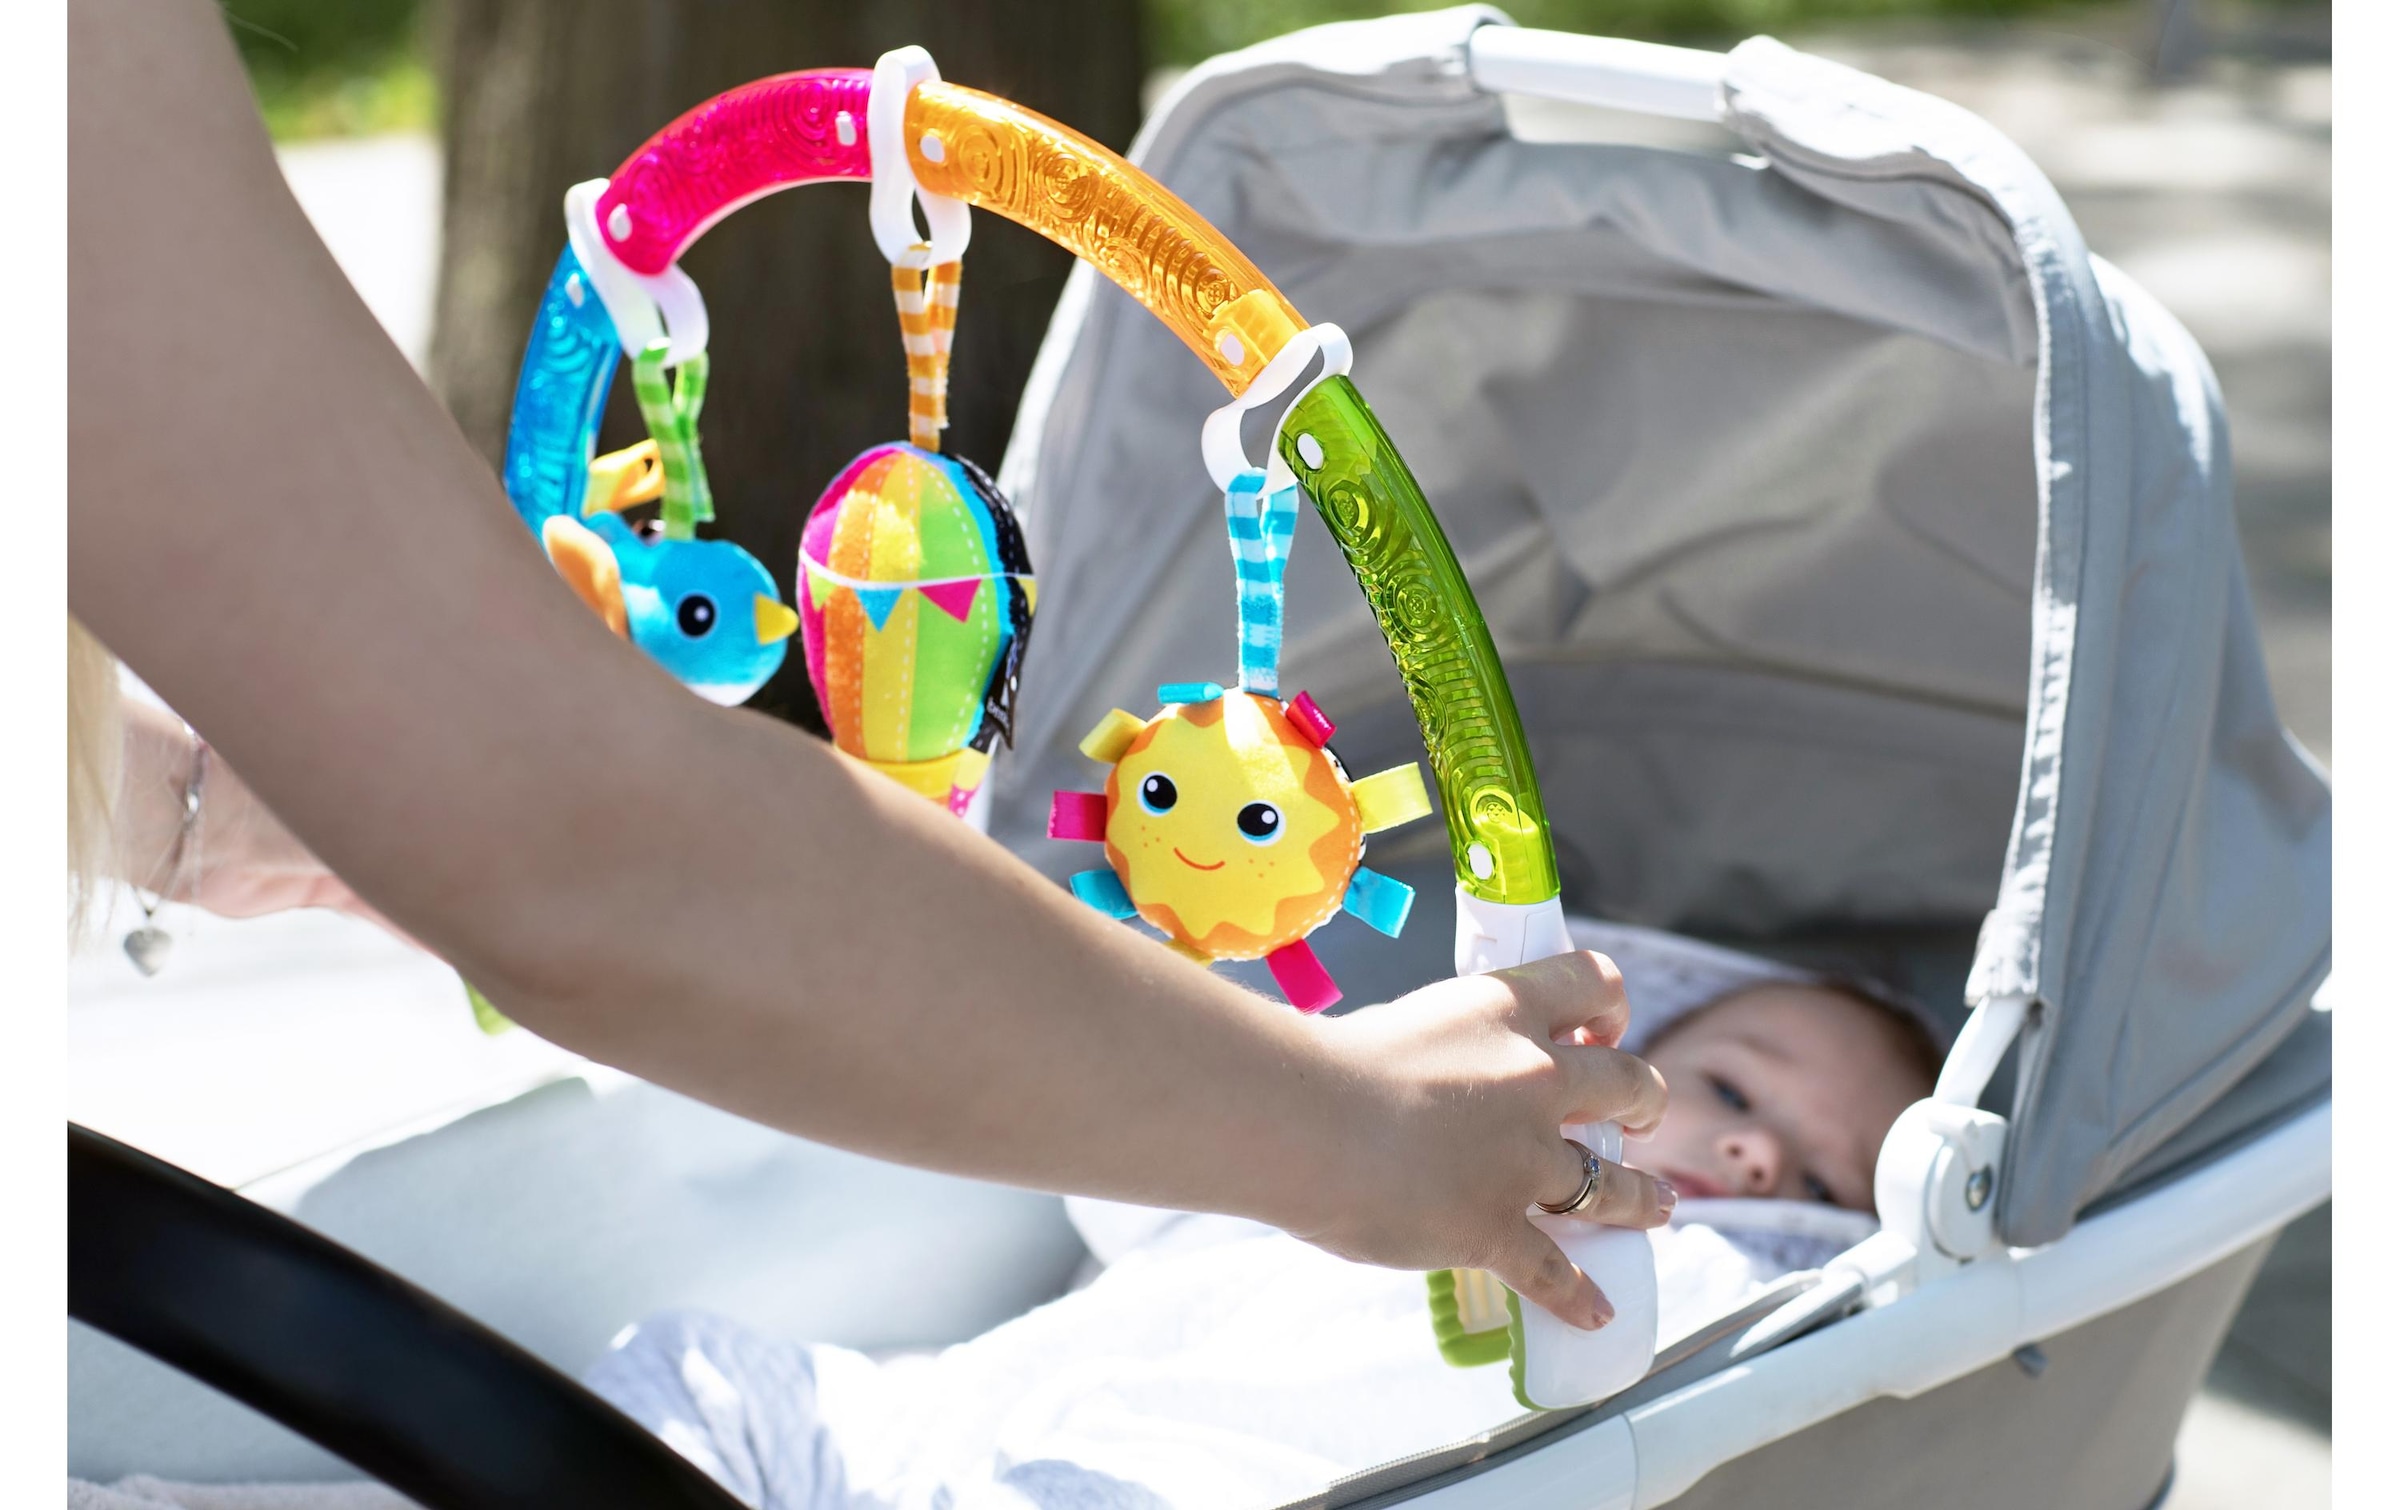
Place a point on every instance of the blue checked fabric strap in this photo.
(1259, 525)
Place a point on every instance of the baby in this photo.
(1213, 1361)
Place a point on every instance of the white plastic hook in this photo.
(643, 308)
(890, 212)
(1221, 433)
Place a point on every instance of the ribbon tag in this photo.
(1258, 526)
(928, 306)
(673, 415)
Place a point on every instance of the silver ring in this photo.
(1591, 1184)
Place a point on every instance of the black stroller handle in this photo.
(347, 1354)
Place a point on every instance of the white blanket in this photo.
(1213, 1362)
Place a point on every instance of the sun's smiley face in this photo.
(1232, 832)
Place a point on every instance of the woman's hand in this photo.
(1473, 1078)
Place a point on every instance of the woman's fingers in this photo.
(1578, 997)
(1482, 1072)
(1609, 1085)
(1532, 1265)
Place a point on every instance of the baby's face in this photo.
(1781, 1091)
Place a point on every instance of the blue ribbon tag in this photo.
(1259, 525)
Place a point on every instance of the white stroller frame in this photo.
(1987, 1346)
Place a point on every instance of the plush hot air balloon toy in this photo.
(1228, 822)
(915, 591)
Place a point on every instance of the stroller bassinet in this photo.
(1855, 541)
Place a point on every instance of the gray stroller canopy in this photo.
(1860, 547)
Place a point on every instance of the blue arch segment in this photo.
(561, 388)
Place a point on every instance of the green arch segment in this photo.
(1387, 532)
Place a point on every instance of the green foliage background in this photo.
(1186, 31)
(336, 67)
(349, 67)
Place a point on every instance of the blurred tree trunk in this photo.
(805, 351)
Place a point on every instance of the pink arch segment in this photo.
(719, 155)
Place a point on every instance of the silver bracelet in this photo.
(149, 945)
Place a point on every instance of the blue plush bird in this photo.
(706, 610)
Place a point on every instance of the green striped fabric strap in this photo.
(673, 415)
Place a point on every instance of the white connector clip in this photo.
(643, 308)
(1221, 433)
(895, 190)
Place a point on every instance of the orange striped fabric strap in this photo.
(928, 305)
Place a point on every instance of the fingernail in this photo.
(1602, 1312)
(1666, 1199)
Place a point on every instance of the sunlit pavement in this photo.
(2214, 194)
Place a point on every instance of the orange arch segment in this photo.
(1048, 178)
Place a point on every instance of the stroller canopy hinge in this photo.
(1937, 1182)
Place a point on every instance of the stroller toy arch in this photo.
(966, 147)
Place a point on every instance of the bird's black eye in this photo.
(1260, 823)
(696, 615)
(1158, 793)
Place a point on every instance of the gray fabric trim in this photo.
(1862, 140)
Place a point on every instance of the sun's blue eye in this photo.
(1728, 1094)
(1260, 823)
(1158, 793)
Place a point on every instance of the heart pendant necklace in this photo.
(149, 945)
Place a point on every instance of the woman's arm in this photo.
(275, 523)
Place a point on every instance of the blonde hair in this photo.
(95, 752)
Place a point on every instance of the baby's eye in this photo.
(1818, 1190)
(1158, 793)
(1260, 823)
(1727, 1093)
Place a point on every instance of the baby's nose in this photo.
(1757, 1159)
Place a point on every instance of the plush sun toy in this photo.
(1229, 825)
